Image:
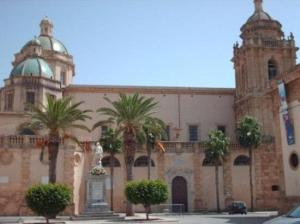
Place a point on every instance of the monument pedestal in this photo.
(96, 194)
(96, 206)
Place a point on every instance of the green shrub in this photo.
(48, 199)
(147, 193)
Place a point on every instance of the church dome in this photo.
(33, 42)
(32, 67)
(48, 43)
(46, 39)
(259, 15)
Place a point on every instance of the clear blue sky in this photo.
(141, 42)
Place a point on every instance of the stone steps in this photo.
(98, 216)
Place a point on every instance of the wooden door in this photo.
(179, 194)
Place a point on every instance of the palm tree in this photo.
(155, 131)
(129, 114)
(57, 117)
(111, 144)
(215, 152)
(249, 134)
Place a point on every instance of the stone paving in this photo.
(250, 218)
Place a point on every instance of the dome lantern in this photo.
(46, 27)
(259, 13)
(258, 5)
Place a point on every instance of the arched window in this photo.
(106, 162)
(142, 161)
(26, 131)
(272, 69)
(207, 162)
(242, 160)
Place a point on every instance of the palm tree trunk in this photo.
(129, 176)
(112, 164)
(251, 180)
(217, 187)
(53, 147)
(149, 161)
(129, 152)
(149, 174)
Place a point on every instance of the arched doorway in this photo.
(179, 193)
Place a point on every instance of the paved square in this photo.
(251, 218)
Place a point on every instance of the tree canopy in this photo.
(249, 132)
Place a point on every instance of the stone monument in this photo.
(96, 206)
(96, 184)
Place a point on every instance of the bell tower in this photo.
(264, 55)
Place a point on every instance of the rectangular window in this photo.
(222, 128)
(166, 136)
(30, 99)
(9, 101)
(63, 78)
(193, 133)
(103, 129)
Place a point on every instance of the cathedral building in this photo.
(267, 81)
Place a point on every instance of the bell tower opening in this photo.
(272, 69)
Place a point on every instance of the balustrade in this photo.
(35, 141)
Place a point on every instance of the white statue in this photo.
(98, 154)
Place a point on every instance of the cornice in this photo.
(147, 89)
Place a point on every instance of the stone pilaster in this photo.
(69, 173)
(227, 180)
(69, 166)
(197, 164)
(266, 175)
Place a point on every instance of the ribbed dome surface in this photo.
(32, 67)
(33, 42)
(48, 43)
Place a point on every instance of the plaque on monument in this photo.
(97, 191)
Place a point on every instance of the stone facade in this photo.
(264, 57)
